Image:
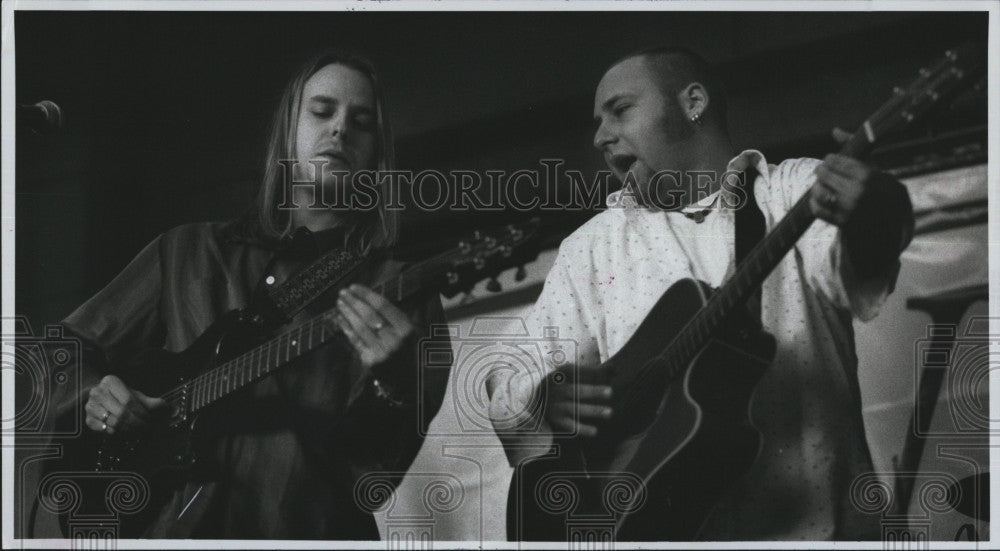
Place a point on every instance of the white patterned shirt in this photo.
(611, 271)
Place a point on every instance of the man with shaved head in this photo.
(661, 126)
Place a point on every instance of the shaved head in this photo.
(675, 68)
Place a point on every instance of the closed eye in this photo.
(621, 108)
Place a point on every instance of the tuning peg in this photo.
(520, 274)
(493, 285)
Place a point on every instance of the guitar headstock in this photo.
(485, 253)
(935, 84)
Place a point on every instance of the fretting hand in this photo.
(842, 185)
(376, 328)
(871, 208)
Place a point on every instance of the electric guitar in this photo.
(683, 384)
(234, 353)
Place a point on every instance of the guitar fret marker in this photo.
(253, 364)
(869, 133)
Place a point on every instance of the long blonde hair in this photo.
(379, 227)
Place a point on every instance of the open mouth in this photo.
(622, 163)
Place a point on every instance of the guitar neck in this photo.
(942, 80)
(759, 262)
(749, 275)
(480, 255)
(259, 362)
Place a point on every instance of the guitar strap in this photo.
(281, 303)
(308, 284)
(750, 227)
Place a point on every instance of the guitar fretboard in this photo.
(759, 262)
(749, 275)
(941, 80)
(279, 351)
(464, 265)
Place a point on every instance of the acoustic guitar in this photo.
(683, 384)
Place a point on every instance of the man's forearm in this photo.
(516, 416)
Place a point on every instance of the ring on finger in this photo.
(104, 427)
(104, 418)
(378, 326)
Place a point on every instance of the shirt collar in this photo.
(740, 163)
(705, 203)
(744, 160)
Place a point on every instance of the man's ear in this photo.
(693, 100)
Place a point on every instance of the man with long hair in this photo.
(282, 456)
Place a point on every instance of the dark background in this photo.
(166, 114)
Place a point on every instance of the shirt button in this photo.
(269, 280)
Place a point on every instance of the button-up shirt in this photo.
(611, 271)
(284, 454)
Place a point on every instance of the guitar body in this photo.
(168, 454)
(671, 452)
(240, 349)
(681, 435)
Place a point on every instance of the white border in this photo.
(505, 5)
(7, 210)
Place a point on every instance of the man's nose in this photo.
(602, 137)
(338, 125)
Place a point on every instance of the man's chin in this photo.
(666, 199)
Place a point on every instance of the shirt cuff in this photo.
(863, 297)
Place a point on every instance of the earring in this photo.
(696, 118)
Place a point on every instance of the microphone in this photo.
(44, 117)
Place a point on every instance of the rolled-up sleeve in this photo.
(823, 259)
(560, 330)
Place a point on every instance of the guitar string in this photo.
(255, 361)
(938, 78)
(221, 377)
(698, 328)
(209, 386)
